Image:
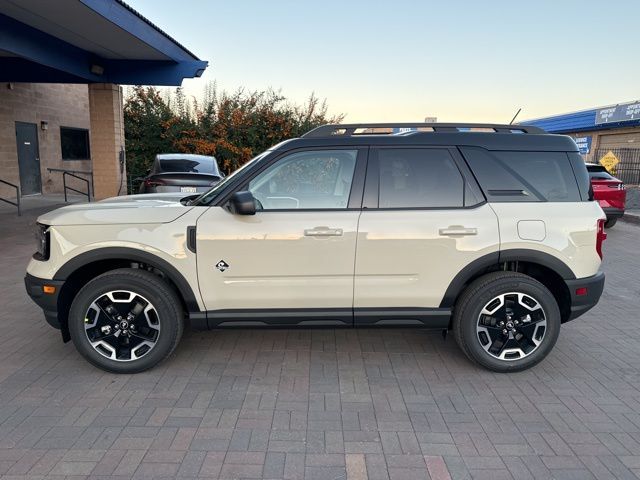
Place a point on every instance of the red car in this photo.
(608, 191)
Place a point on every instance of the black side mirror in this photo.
(242, 203)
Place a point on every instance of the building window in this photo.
(75, 143)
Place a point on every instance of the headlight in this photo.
(42, 242)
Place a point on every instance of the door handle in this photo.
(455, 230)
(323, 232)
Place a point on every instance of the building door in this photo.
(28, 158)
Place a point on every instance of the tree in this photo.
(233, 127)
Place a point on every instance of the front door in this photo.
(291, 263)
(28, 158)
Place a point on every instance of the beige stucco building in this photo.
(61, 107)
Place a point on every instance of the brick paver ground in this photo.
(323, 404)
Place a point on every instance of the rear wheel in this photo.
(610, 222)
(126, 321)
(506, 321)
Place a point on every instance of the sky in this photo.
(386, 61)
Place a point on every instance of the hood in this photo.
(129, 209)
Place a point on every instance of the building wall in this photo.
(611, 138)
(57, 104)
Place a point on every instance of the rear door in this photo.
(424, 219)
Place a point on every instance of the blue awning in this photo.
(88, 41)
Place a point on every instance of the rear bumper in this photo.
(611, 212)
(580, 304)
(48, 302)
(171, 188)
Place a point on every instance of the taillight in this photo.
(601, 236)
(153, 183)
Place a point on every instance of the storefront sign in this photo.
(584, 144)
(619, 113)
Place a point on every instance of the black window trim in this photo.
(357, 182)
(88, 132)
(371, 195)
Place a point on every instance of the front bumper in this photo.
(47, 301)
(580, 304)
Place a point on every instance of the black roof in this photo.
(488, 136)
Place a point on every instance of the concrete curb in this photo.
(630, 218)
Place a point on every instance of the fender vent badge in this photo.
(222, 265)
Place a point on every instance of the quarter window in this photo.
(419, 178)
(318, 179)
(507, 176)
(545, 174)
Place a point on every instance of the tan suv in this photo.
(486, 230)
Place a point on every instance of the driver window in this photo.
(319, 179)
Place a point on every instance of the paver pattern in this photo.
(323, 404)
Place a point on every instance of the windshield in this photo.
(208, 196)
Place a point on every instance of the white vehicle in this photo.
(486, 230)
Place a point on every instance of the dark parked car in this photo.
(608, 191)
(181, 172)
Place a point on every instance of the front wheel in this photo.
(610, 222)
(506, 321)
(126, 321)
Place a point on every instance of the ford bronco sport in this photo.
(489, 231)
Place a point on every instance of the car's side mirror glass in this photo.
(242, 203)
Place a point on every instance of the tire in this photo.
(151, 334)
(610, 222)
(479, 339)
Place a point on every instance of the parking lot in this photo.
(323, 404)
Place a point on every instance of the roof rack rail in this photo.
(355, 129)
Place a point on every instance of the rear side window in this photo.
(524, 176)
(419, 178)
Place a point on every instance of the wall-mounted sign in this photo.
(584, 144)
(619, 113)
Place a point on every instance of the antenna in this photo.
(514, 117)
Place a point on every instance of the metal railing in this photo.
(75, 174)
(628, 170)
(17, 202)
(133, 184)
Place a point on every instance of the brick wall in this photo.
(59, 105)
